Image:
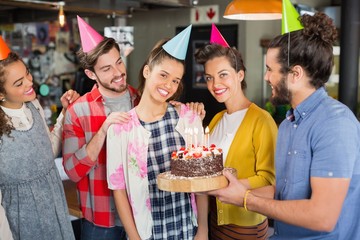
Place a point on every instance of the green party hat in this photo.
(290, 18)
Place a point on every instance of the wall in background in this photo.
(151, 26)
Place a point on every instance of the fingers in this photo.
(118, 117)
(68, 97)
(197, 107)
(201, 194)
(175, 103)
(202, 114)
(115, 118)
(71, 95)
(212, 192)
(229, 175)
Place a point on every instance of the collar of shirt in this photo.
(306, 107)
(21, 118)
(95, 93)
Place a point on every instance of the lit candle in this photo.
(202, 137)
(191, 138)
(207, 132)
(186, 137)
(196, 131)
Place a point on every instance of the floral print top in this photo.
(127, 149)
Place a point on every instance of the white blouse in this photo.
(21, 118)
(224, 132)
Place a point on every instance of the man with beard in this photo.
(85, 129)
(318, 152)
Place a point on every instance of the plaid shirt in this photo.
(82, 121)
(135, 165)
(172, 213)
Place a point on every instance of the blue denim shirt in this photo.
(319, 138)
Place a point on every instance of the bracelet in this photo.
(245, 197)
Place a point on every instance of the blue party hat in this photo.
(178, 45)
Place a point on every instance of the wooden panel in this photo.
(168, 182)
(72, 198)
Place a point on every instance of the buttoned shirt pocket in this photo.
(298, 166)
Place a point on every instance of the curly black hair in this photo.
(5, 124)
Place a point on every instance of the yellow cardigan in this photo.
(252, 154)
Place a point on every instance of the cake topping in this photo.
(196, 152)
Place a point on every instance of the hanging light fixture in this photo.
(253, 10)
(62, 19)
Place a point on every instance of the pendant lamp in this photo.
(253, 10)
(62, 19)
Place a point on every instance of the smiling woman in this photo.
(33, 196)
(139, 150)
(239, 131)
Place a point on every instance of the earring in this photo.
(3, 100)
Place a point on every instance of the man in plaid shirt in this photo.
(85, 128)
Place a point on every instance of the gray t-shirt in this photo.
(118, 104)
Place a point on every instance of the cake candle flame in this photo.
(207, 133)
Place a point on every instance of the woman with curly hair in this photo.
(32, 191)
(246, 134)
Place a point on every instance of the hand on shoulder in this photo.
(197, 107)
(68, 98)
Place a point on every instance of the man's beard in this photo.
(282, 94)
(107, 86)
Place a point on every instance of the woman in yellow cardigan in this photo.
(246, 133)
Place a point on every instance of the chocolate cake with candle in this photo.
(197, 162)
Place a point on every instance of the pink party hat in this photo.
(290, 18)
(178, 45)
(89, 37)
(4, 49)
(216, 37)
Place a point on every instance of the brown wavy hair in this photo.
(88, 60)
(211, 51)
(310, 47)
(155, 57)
(5, 124)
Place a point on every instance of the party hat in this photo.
(4, 49)
(178, 45)
(216, 37)
(290, 18)
(89, 37)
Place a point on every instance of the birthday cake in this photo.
(197, 162)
